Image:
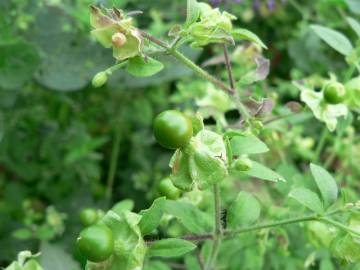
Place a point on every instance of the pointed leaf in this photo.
(355, 25)
(245, 210)
(171, 247)
(140, 67)
(190, 216)
(307, 198)
(248, 35)
(151, 217)
(258, 170)
(243, 145)
(326, 184)
(334, 39)
(192, 12)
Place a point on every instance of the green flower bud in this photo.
(99, 79)
(242, 164)
(334, 93)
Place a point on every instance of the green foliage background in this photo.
(57, 132)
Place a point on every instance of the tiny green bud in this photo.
(242, 164)
(334, 93)
(166, 188)
(99, 79)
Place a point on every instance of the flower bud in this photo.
(99, 79)
(334, 93)
(118, 39)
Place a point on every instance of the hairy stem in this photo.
(218, 230)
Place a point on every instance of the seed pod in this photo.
(118, 39)
(99, 79)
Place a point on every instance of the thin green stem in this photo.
(113, 68)
(113, 165)
(271, 224)
(321, 144)
(339, 225)
(199, 71)
(218, 230)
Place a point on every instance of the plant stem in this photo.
(321, 144)
(113, 165)
(339, 225)
(199, 71)
(186, 61)
(243, 111)
(218, 230)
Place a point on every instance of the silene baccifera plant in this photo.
(198, 222)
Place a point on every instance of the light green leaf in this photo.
(14, 266)
(54, 257)
(206, 170)
(243, 145)
(190, 216)
(241, 33)
(326, 184)
(334, 39)
(143, 67)
(355, 25)
(258, 170)
(171, 247)
(307, 198)
(124, 205)
(354, 5)
(192, 12)
(151, 217)
(245, 210)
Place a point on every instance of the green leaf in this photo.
(258, 170)
(32, 264)
(245, 210)
(355, 25)
(326, 184)
(354, 5)
(18, 62)
(190, 216)
(54, 257)
(192, 12)
(22, 234)
(14, 266)
(124, 205)
(156, 265)
(151, 217)
(143, 67)
(241, 33)
(334, 39)
(307, 198)
(171, 247)
(243, 145)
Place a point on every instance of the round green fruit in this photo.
(334, 93)
(96, 243)
(172, 129)
(166, 188)
(88, 216)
